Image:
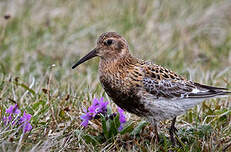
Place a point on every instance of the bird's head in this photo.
(110, 46)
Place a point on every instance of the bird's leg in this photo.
(157, 138)
(173, 131)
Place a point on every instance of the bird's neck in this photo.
(114, 76)
(115, 65)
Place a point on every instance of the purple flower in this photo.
(26, 127)
(122, 118)
(13, 109)
(102, 106)
(85, 117)
(93, 107)
(25, 122)
(6, 120)
(25, 117)
(97, 107)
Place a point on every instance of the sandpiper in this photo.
(145, 89)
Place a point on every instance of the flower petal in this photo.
(95, 101)
(27, 127)
(84, 123)
(122, 118)
(25, 118)
(13, 109)
(10, 109)
(120, 128)
(84, 110)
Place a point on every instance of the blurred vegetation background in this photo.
(40, 40)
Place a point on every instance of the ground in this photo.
(40, 40)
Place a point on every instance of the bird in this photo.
(144, 88)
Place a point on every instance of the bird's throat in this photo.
(116, 67)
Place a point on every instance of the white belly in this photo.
(161, 109)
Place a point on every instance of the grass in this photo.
(42, 39)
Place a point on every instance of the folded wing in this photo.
(163, 83)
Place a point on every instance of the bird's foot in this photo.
(173, 132)
(156, 134)
(157, 138)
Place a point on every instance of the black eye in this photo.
(108, 42)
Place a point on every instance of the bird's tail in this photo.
(210, 91)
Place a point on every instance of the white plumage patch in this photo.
(161, 109)
(195, 90)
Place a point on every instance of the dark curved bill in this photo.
(90, 55)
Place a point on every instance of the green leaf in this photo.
(128, 128)
(109, 110)
(104, 125)
(26, 87)
(138, 128)
(117, 121)
(90, 139)
(36, 105)
(113, 126)
(204, 130)
(29, 110)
